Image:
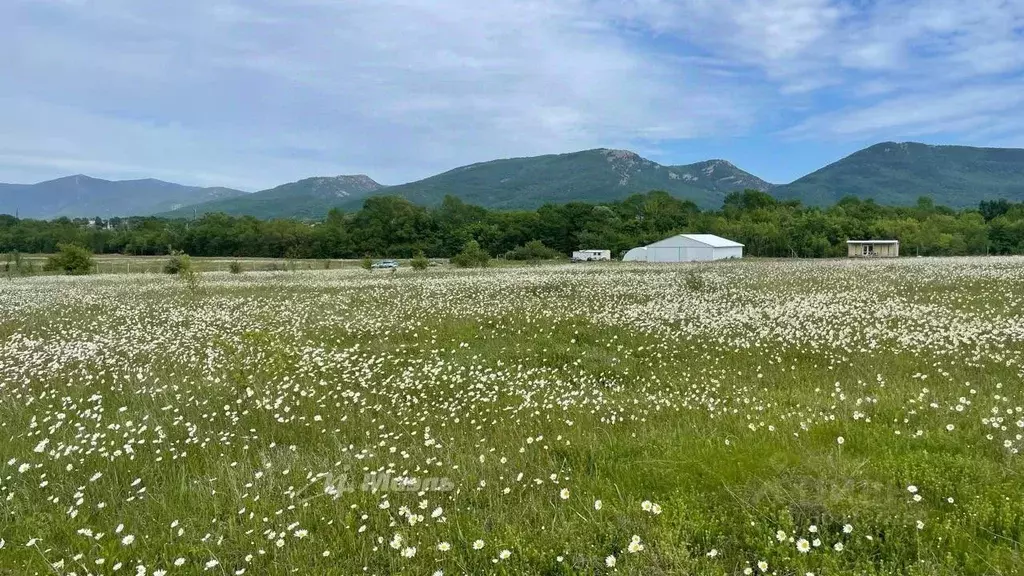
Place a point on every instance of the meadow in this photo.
(751, 417)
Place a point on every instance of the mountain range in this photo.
(82, 196)
(889, 173)
(310, 198)
(899, 173)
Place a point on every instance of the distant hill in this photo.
(890, 173)
(599, 175)
(82, 196)
(308, 198)
(899, 173)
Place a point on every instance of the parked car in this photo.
(385, 264)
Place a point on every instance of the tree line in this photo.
(388, 226)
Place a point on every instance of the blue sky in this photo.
(255, 93)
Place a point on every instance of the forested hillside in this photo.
(395, 227)
(897, 173)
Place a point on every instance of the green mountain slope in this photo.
(899, 173)
(591, 176)
(82, 196)
(308, 198)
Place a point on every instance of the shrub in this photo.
(16, 265)
(188, 273)
(177, 262)
(420, 262)
(327, 264)
(235, 267)
(190, 276)
(70, 259)
(180, 264)
(472, 255)
(533, 250)
(695, 282)
(366, 263)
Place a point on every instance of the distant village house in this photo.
(873, 248)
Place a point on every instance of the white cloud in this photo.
(945, 56)
(267, 91)
(253, 93)
(969, 109)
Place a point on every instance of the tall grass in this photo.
(822, 417)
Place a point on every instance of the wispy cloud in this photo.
(949, 61)
(396, 88)
(254, 93)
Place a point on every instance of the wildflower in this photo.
(646, 506)
(478, 544)
(912, 489)
(443, 546)
(840, 440)
(634, 545)
(597, 504)
(847, 528)
(762, 566)
(610, 561)
(210, 564)
(838, 546)
(127, 540)
(564, 494)
(504, 554)
(803, 546)
(409, 552)
(179, 562)
(780, 536)
(712, 553)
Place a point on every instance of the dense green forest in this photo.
(388, 226)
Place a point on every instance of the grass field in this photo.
(780, 417)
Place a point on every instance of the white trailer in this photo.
(591, 255)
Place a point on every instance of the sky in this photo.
(255, 93)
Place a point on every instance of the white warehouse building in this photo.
(686, 248)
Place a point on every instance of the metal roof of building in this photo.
(712, 240)
(872, 241)
(708, 240)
